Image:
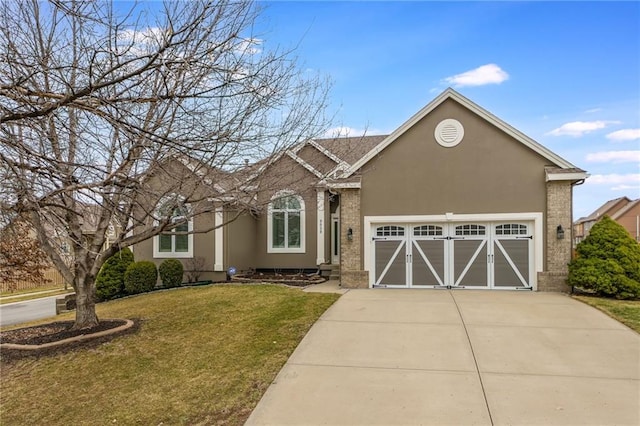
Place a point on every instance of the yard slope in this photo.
(202, 356)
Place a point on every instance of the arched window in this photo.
(176, 242)
(285, 224)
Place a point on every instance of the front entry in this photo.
(468, 255)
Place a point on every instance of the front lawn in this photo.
(625, 311)
(203, 355)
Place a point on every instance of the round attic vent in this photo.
(449, 133)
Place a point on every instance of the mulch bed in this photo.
(54, 332)
(298, 280)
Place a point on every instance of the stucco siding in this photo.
(488, 172)
(266, 260)
(239, 241)
(203, 245)
(287, 175)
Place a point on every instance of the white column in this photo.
(218, 241)
(320, 258)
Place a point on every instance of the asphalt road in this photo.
(19, 312)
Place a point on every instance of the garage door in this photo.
(468, 255)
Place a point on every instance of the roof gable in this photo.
(473, 107)
(609, 208)
(621, 212)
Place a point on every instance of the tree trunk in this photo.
(85, 302)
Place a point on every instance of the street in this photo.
(19, 312)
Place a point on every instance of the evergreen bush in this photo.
(140, 277)
(607, 262)
(110, 279)
(171, 271)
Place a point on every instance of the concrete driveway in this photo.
(458, 357)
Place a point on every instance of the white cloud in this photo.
(625, 187)
(249, 46)
(485, 74)
(624, 135)
(614, 157)
(145, 35)
(628, 179)
(345, 131)
(579, 128)
(592, 110)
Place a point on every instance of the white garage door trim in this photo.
(536, 217)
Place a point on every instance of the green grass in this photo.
(625, 311)
(203, 355)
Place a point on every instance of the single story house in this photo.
(454, 197)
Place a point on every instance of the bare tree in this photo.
(96, 100)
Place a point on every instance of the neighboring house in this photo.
(58, 237)
(454, 197)
(623, 210)
(88, 223)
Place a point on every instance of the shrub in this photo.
(171, 271)
(110, 279)
(195, 267)
(607, 262)
(140, 277)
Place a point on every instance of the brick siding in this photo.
(351, 273)
(558, 252)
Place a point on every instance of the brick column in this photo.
(351, 273)
(558, 252)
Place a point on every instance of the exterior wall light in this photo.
(560, 232)
(350, 234)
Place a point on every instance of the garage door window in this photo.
(470, 230)
(511, 229)
(427, 231)
(390, 231)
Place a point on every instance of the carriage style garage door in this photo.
(469, 255)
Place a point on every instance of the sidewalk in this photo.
(16, 296)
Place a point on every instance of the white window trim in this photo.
(218, 240)
(320, 258)
(157, 254)
(270, 248)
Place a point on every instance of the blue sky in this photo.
(565, 74)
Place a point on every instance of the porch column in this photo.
(218, 235)
(320, 257)
(352, 274)
(557, 251)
